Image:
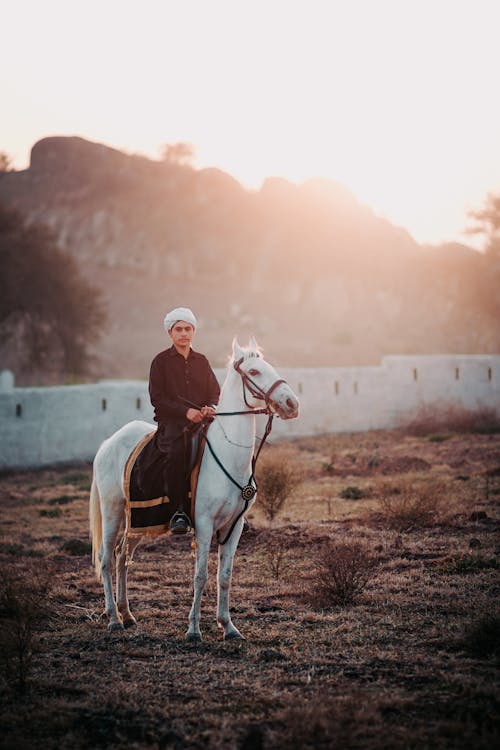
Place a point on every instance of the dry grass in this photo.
(411, 663)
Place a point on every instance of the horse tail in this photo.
(95, 520)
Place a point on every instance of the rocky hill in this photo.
(315, 275)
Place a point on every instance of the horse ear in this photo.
(253, 345)
(238, 352)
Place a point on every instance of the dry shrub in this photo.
(277, 557)
(76, 547)
(342, 572)
(433, 419)
(411, 506)
(482, 637)
(23, 607)
(469, 563)
(278, 475)
(352, 493)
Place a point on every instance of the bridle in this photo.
(254, 388)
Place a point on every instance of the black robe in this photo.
(176, 383)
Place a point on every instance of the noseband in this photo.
(253, 387)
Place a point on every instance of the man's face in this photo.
(181, 334)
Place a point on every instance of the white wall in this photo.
(43, 426)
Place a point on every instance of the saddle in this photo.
(147, 507)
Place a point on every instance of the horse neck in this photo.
(236, 429)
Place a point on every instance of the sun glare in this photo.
(393, 99)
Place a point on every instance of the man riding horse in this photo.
(184, 391)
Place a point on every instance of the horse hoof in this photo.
(234, 637)
(193, 637)
(130, 622)
(113, 626)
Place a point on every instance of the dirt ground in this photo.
(411, 662)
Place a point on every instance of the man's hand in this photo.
(194, 415)
(198, 415)
(208, 411)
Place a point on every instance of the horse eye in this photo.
(253, 372)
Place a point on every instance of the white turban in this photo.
(180, 313)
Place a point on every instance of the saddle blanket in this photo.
(147, 507)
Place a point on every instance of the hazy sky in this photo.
(397, 99)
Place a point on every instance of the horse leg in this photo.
(123, 558)
(193, 632)
(224, 574)
(111, 522)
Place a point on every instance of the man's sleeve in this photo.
(213, 387)
(164, 405)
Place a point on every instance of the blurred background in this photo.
(323, 175)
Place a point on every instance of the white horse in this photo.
(226, 487)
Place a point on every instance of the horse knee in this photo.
(200, 579)
(105, 564)
(225, 578)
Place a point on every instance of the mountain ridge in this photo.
(318, 277)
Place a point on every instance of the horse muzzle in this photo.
(286, 407)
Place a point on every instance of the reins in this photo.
(226, 413)
(249, 490)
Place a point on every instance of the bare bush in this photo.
(23, 606)
(411, 506)
(342, 572)
(482, 637)
(277, 477)
(277, 557)
(433, 419)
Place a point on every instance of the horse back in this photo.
(113, 453)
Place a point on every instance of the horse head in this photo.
(261, 382)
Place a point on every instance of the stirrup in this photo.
(180, 523)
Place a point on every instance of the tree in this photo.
(178, 153)
(5, 162)
(46, 307)
(488, 224)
